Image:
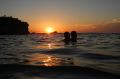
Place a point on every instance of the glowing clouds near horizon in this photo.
(49, 30)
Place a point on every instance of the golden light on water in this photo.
(46, 46)
(44, 60)
(50, 46)
(48, 60)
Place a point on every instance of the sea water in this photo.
(100, 51)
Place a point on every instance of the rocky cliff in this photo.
(12, 26)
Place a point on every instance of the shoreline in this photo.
(6, 69)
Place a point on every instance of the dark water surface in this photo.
(92, 51)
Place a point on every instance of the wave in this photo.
(35, 71)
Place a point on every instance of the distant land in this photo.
(13, 26)
(54, 32)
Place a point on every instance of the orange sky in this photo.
(111, 26)
(65, 15)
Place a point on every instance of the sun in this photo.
(49, 30)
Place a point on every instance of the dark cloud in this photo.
(116, 20)
(109, 27)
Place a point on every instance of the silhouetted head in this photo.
(73, 36)
(67, 37)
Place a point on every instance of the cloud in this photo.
(116, 20)
(111, 27)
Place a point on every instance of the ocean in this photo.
(97, 51)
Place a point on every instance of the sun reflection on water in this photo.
(48, 60)
(50, 46)
(43, 60)
(46, 46)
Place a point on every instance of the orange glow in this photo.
(44, 60)
(49, 27)
(49, 30)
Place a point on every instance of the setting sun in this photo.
(49, 30)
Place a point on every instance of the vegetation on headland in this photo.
(13, 26)
(54, 32)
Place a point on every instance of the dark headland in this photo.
(13, 26)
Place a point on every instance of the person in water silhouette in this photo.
(67, 37)
(73, 36)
